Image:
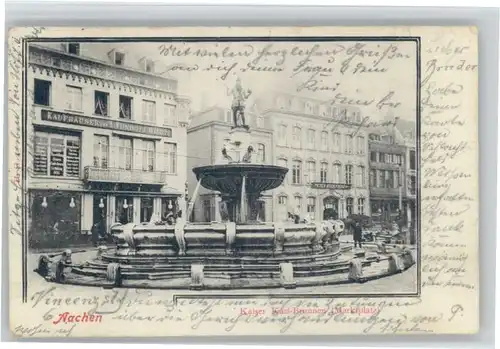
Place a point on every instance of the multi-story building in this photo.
(408, 131)
(207, 134)
(325, 148)
(108, 137)
(393, 172)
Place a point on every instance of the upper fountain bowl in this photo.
(227, 178)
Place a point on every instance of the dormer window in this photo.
(149, 66)
(74, 49)
(119, 58)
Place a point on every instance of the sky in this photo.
(379, 76)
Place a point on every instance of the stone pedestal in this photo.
(197, 276)
(237, 143)
(286, 275)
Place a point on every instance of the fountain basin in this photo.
(228, 178)
(222, 239)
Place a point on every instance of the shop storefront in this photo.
(59, 219)
(55, 219)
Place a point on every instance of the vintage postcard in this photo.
(236, 181)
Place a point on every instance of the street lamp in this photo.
(101, 203)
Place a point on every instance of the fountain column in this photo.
(243, 201)
(193, 199)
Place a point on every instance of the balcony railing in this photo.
(118, 175)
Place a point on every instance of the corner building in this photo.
(108, 137)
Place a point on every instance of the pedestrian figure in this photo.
(357, 235)
(96, 234)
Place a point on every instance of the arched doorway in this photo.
(330, 208)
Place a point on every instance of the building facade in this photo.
(206, 137)
(325, 148)
(106, 133)
(393, 173)
(408, 132)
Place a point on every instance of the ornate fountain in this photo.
(240, 251)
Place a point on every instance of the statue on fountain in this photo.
(240, 96)
(247, 158)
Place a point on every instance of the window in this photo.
(373, 178)
(311, 205)
(389, 178)
(311, 171)
(343, 114)
(358, 116)
(399, 160)
(311, 138)
(361, 206)
(101, 103)
(261, 153)
(171, 117)
(413, 185)
(337, 178)
(361, 176)
(282, 139)
(171, 155)
(324, 140)
(361, 145)
(74, 98)
(298, 203)
(146, 209)
(381, 157)
(124, 209)
(349, 206)
(381, 179)
(282, 200)
(149, 66)
(323, 174)
(309, 108)
(74, 49)
(397, 180)
(42, 92)
(387, 158)
(348, 174)
(296, 172)
(125, 107)
(349, 144)
(373, 156)
(119, 58)
(413, 159)
(56, 155)
(124, 153)
(336, 142)
(297, 137)
(101, 151)
(149, 111)
(148, 156)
